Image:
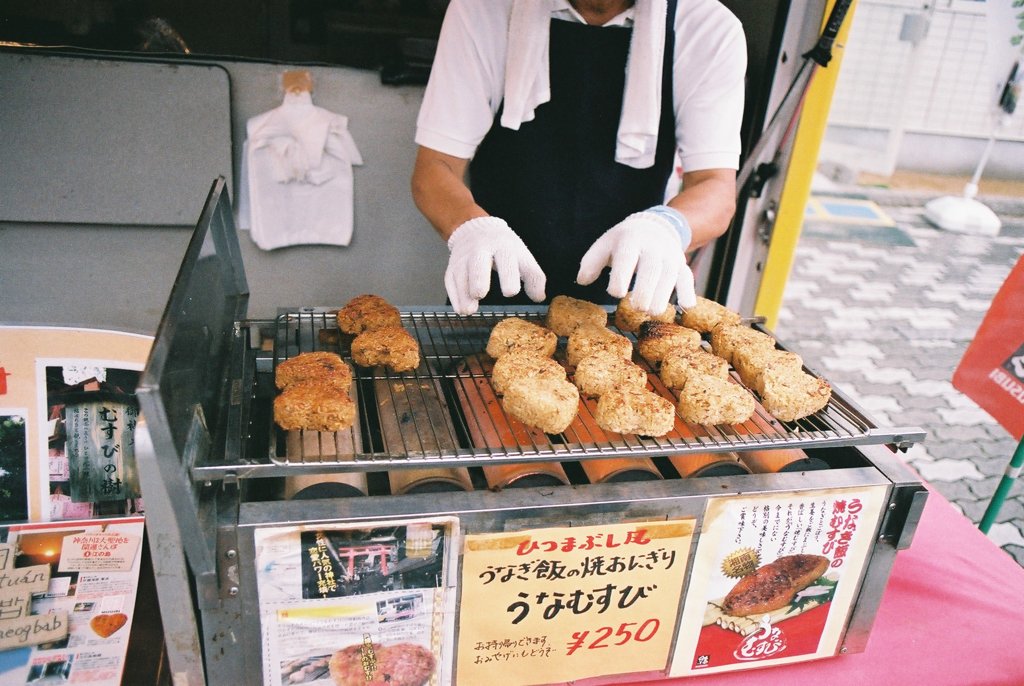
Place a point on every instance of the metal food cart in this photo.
(217, 474)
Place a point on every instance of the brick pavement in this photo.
(886, 313)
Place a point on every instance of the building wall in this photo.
(919, 89)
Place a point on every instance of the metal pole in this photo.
(1012, 472)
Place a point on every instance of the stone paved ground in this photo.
(886, 313)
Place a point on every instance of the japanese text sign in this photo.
(555, 605)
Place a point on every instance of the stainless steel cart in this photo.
(215, 469)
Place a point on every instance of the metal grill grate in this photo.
(445, 412)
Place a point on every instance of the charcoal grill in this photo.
(212, 462)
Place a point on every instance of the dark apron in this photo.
(555, 180)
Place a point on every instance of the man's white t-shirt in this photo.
(467, 79)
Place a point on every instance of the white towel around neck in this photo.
(527, 83)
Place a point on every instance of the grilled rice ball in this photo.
(713, 400)
(790, 395)
(635, 411)
(514, 333)
(325, 366)
(604, 370)
(727, 339)
(392, 346)
(313, 405)
(679, 365)
(588, 339)
(628, 318)
(566, 313)
(752, 364)
(545, 403)
(523, 364)
(366, 312)
(655, 339)
(707, 314)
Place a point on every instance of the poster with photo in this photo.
(356, 603)
(774, 577)
(73, 391)
(91, 416)
(93, 568)
(13, 465)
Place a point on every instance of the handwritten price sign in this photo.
(599, 591)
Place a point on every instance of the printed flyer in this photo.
(356, 605)
(67, 422)
(549, 606)
(75, 628)
(774, 578)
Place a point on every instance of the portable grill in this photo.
(212, 461)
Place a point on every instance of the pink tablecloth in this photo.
(952, 615)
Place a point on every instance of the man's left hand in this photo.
(650, 245)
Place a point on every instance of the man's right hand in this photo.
(479, 246)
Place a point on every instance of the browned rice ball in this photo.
(628, 318)
(566, 313)
(523, 364)
(393, 347)
(635, 411)
(325, 366)
(588, 339)
(313, 405)
(545, 403)
(515, 333)
(366, 312)
(604, 370)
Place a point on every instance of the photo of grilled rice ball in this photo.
(638, 411)
(712, 400)
(753, 363)
(548, 404)
(314, 406)
(366, 312)
(325, 366)
(566, 313)
(774, 585)
(392, 347)
(655, 339)
(680, 365)
(707, 314)
(726, 339)
(373, 664)
(790, 395)
(588, 339)
(604, 370)
(628, 318)
(514, 333)
(523, 364)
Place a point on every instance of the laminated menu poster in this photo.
(75, 627)
(774, 577)
(67, 422)
(570, 604)
(357, 605)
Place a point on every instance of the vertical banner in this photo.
(558, 605)
(357, 603)
(991, 372)
(774, 578)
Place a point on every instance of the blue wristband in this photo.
(677, 220)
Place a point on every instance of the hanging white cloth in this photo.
(297, 181)
(527, 83)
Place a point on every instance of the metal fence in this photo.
(923, 69)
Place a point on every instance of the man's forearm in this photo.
(708, 201)
(440, 192)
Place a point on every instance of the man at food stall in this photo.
(568, 116)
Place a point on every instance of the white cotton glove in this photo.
(480, 245)
(652, 245)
